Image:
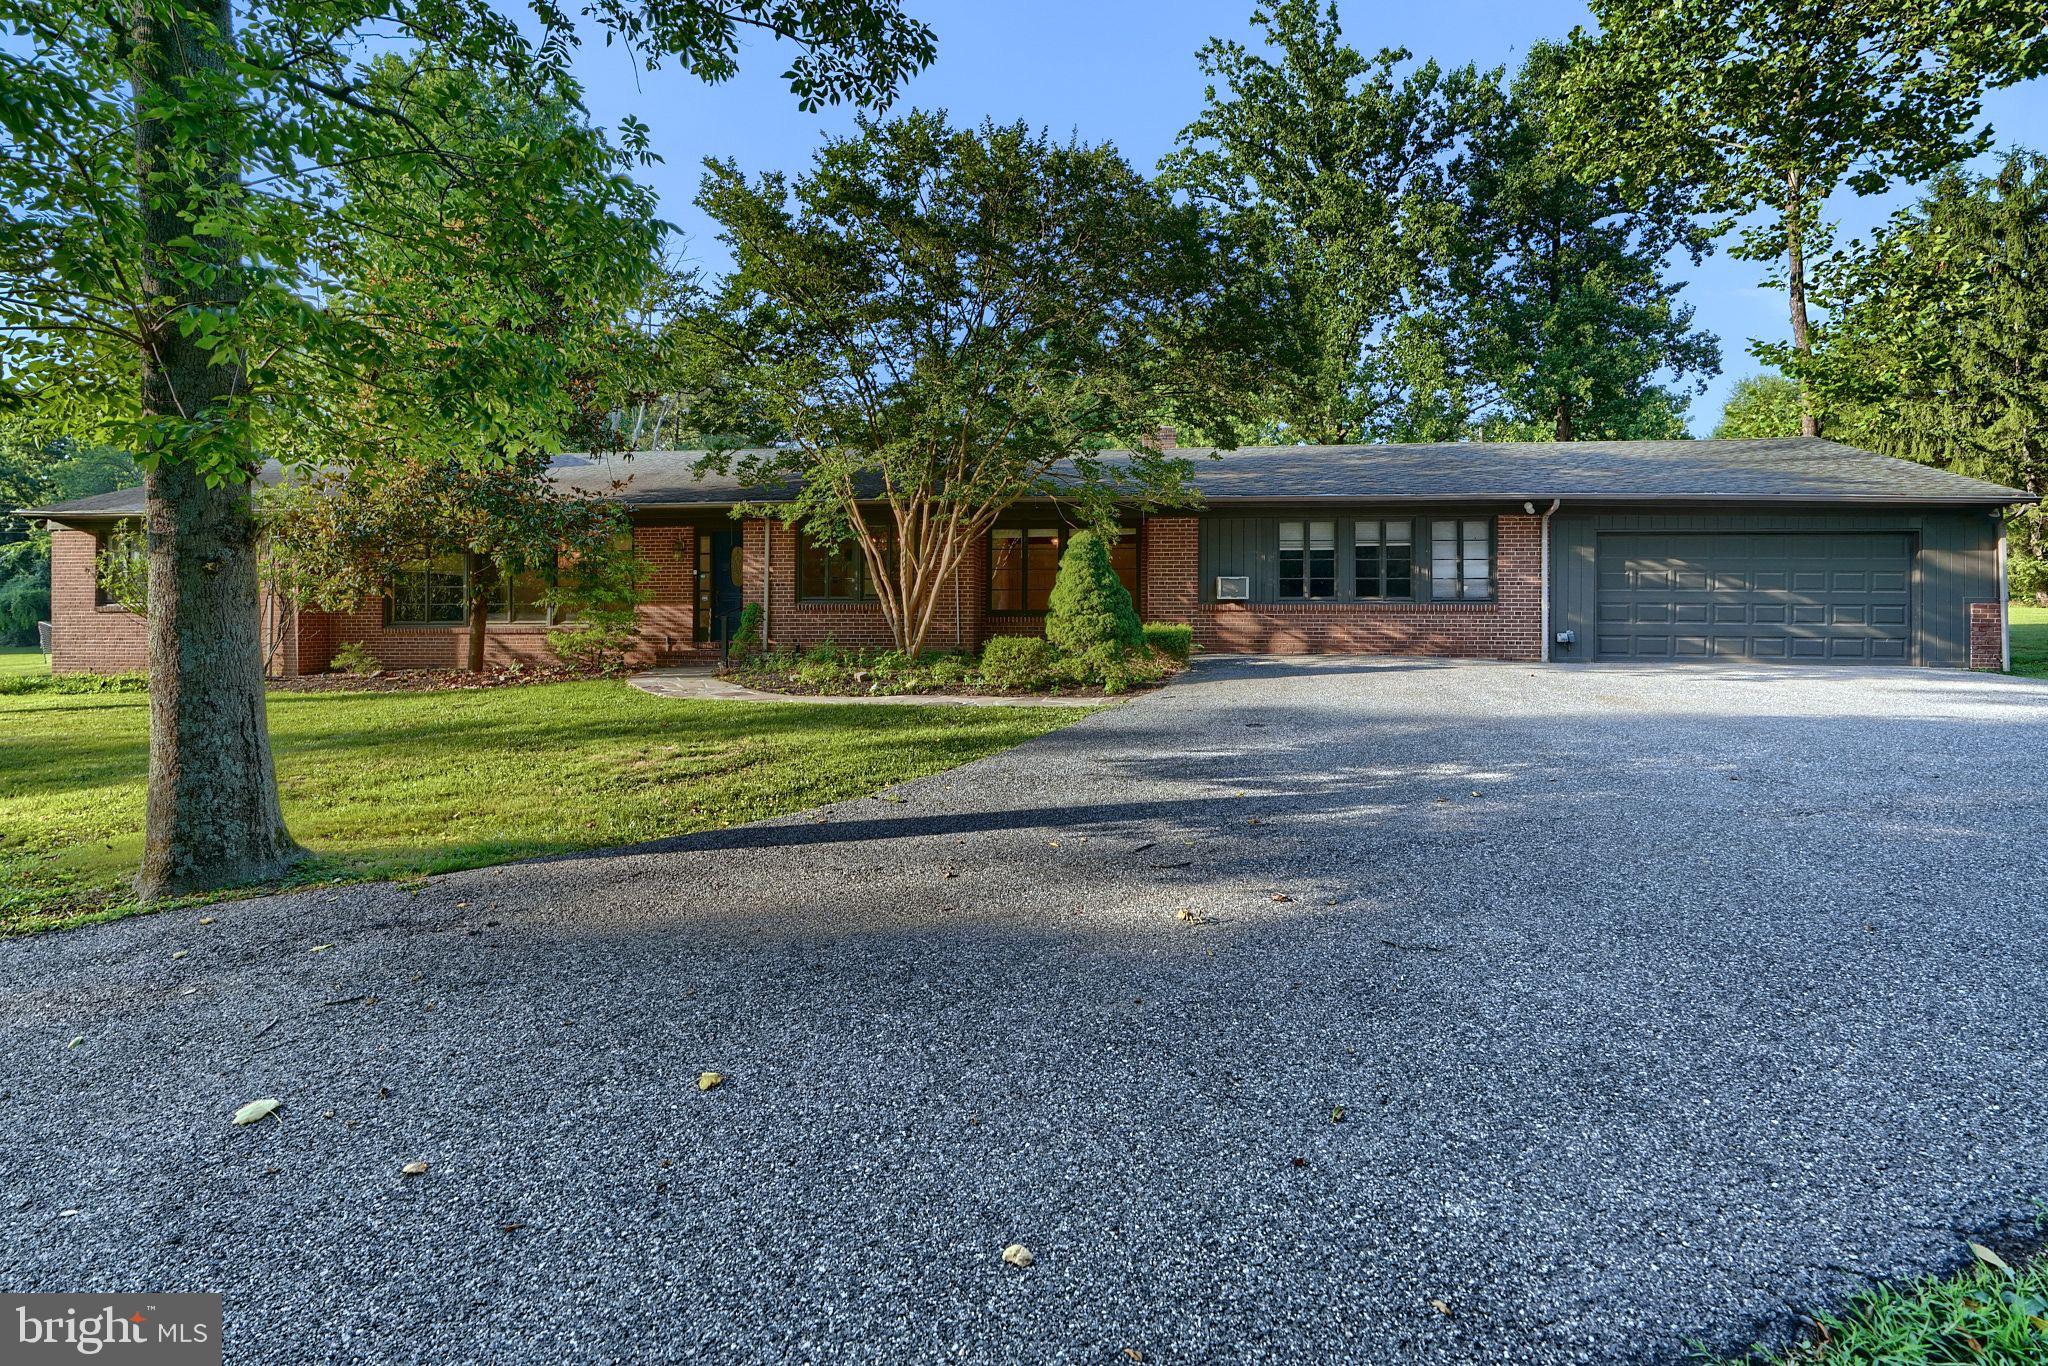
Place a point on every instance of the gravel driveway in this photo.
(1657, 1003)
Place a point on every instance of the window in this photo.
(1308, 559)
(835, 573)
(1024, 561)
(1461, 559)
(433, 593)
(437, 594)
(120, 570)
(1383, 559)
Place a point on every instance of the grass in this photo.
(1990, 1313)
(22, 660)
(393, 784)
(2029, 639)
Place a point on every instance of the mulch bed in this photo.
(433, 680)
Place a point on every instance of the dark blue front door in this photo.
(725, 584)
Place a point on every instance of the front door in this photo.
(725, 584)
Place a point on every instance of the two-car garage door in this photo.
(1786, 597)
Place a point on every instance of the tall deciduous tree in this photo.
(1571, 329)
(1334, 168)
(1767, 106)
(1937, 348)
(168, 206)
(1760, 406)
(946, 320)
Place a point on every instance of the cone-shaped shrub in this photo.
(1089, 606)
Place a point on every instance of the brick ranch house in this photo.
(1780, 551)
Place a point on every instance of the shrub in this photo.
(600, 644)
(355, 658)
(1171, 639)
(1090, 607)
(1113, 668)
(1019, 663)
(746, 633)
(2026, 576)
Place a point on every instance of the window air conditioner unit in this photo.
(1233, 587)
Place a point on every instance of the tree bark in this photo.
(1564, 420)
(482, 580)
(212, 814)
(1795, 279)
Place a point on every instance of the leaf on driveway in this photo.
(413, 1169)
(1990, 1258)
(320, 948)
(1016, 1254)
(707, 1081)
(1440, 1307)
(255, 1110)
(1282, 896)
(76, 1042)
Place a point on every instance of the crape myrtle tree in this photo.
(1933, 349)
(169, 221)
(1564, 320)
(1334, 168)
(1767, 107)
(945, 320)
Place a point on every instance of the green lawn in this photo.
(2029, 640)
(1993, 1312)
(22, 659)
(377, 785)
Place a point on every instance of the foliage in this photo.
(1089, 605)
(36, 470)
(186, 192)
(354, 657)
(2026, 576)
(1933, 350)
(1332, 171)
(746, 633)
(1565, 319)
(1761, 405)
(1171, 639)
(121, 568)
(390, 784)
(946, 320)
(1764, 109)
(1990, 1312)
(1020, 663)
(1112, 667)
(600, 643)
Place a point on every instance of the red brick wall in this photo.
(794, 624)
(84, 637)
(1987, 636)
(666, 621)
(1509, 627)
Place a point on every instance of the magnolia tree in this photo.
(943, 321)
(173, 225)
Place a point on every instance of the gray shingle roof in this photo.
(1802, 469)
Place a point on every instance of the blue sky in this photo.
(1124, 71)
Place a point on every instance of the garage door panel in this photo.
(1821, 597)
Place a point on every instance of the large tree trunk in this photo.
(1795, 279)
(213, 816)
(1563, 418)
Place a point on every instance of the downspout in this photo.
(767, 576)
(1555, 503)
(2004, 602)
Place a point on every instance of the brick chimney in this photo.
(1165, 439)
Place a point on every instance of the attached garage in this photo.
(1771, 585)
(1783, 597)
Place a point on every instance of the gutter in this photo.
(1555, 504)
(2004, 605)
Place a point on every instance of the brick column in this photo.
(1987, 636)
(1169, 550)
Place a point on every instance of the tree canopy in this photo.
(1761, 405)
(949, 319)
(1764, 108)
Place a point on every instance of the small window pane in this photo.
(1400, 533)
(1290, 535)
(1322, 535)
(1041, 567)
(1365, 533)
(1443, 559)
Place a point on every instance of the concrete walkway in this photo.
(702, 684)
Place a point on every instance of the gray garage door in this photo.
(1788, 597)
